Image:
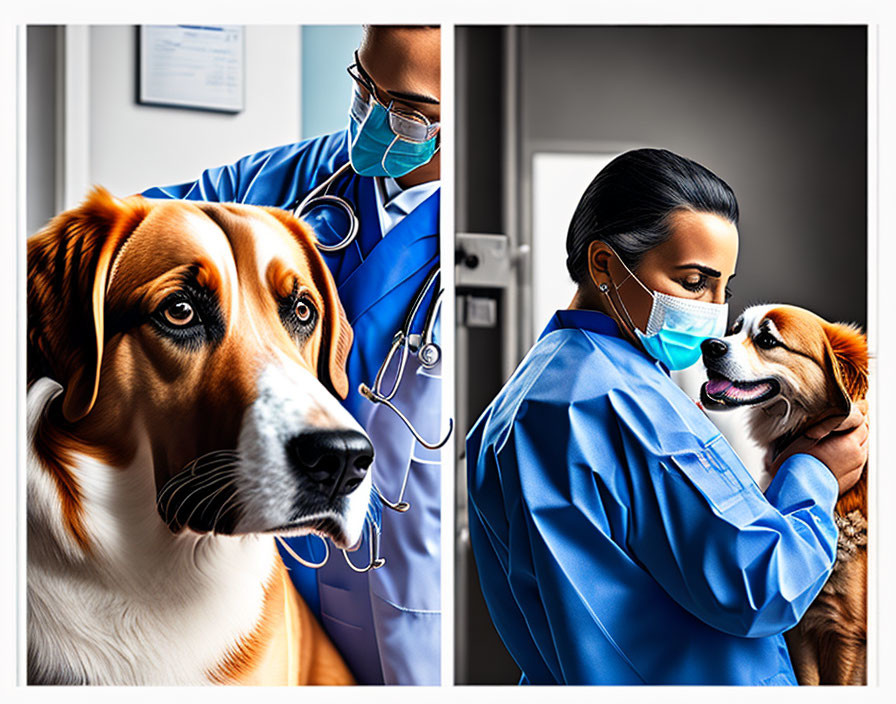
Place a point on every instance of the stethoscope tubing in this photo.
(401, 344)
(315, 197)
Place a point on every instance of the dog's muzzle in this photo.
(722, 391)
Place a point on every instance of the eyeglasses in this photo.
(406, 123)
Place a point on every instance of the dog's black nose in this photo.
(336, 459)
(713, 348)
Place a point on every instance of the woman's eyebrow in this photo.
(701, 268)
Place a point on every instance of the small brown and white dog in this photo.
(794, 369)
(181, 359)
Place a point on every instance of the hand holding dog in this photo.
(840, 443)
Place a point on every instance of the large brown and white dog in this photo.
(181, 359)
(795, 369)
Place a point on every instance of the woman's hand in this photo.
(840, 443)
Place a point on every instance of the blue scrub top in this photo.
(619, 539)
(385, 623)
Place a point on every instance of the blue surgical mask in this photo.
(376, 150)
(677, 326)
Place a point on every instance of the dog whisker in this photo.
(204, 500)
(235, 504)
(177, 483)
(187, 474)
(209, 500)
(199, 484)
(215, 453)
(196, 483)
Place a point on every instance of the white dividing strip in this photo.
(448, 451)
(875, 466)
(17, 533)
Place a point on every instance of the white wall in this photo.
(133, 147)
(558, 182)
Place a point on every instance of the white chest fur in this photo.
(145, 606)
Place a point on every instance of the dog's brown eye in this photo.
(304, 311)
(180, 313)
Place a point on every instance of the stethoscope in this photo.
(319, 208)
(404, 344)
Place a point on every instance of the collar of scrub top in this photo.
(594, 321)
(393, 202)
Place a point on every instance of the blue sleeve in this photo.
(686, 510)
(275, 177)
(745, 563)
(216, 185)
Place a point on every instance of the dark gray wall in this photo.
(480, 657)
(41, 96)
(778, 112)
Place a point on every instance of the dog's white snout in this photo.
(304, 458)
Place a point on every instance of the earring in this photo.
(603, 288)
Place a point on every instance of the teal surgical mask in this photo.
(387, 143)
(676, 326)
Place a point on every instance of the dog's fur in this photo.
(157, 466)
(795, 369)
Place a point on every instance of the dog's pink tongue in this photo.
(751, 392)
(716, 387)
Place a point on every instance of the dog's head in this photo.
(791, 366)
(212, 332)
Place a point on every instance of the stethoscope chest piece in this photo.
(429, 355)
(333, 222)
(331, 217)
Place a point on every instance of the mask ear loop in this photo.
(295, 556)
(386, 154)
(605, 289)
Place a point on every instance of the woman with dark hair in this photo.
(619, 539)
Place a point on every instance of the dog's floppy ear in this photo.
(847, 353)
(69, 263)
(337, 334)
(338, 337)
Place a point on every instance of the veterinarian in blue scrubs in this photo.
(385, 622)
(619, 539)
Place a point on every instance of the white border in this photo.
(874, 463)
(881, 249)
(19, 325)
(446, 254)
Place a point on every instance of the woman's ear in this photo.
(599, 256)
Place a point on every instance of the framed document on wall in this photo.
(192, 66)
